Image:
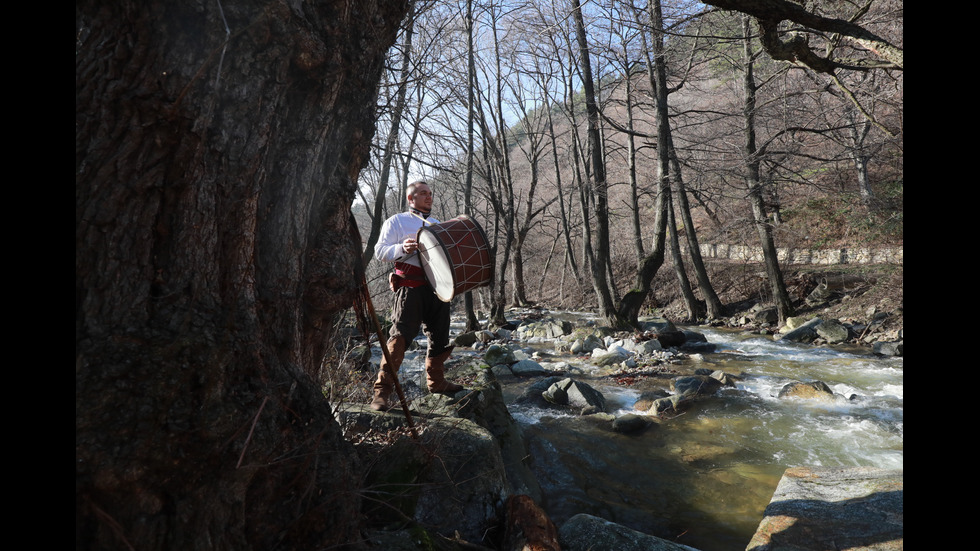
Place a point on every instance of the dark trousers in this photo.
(417, 307)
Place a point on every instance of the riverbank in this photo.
(869, 297)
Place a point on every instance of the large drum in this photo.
(455, 255)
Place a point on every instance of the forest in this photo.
(591, 172)
(234, 160)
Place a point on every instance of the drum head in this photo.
(438, 268)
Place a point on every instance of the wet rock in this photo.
(816, 389)
(646, 400)
(533, 394)
(805, 333)
(695, 385)
(569, 392)
(631, 423)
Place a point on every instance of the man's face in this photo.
(421, 199)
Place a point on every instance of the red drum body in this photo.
(455, 255)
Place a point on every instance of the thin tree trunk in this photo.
(472, 323)
(607, 306)
(634, 185)
(711, 300)
(632, 302)
(754, 183)
(690, 301)
(391, 144)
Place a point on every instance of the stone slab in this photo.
(820, 508)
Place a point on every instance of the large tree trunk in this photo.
(217, 147)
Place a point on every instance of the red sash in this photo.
(409, 275)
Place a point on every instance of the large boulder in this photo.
(463, 486)
(471, 455)
(655, 325)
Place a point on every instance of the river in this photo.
(703, 478)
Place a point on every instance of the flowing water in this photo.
(704, 478)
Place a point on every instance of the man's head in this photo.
(419, 196)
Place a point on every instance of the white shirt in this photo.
(393, 234)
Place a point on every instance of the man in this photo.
(415, 304)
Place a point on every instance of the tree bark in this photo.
(217, 148)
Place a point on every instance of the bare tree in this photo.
(793, 45)
(754, 182)
(607, 307)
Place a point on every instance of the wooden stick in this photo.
(387, 358)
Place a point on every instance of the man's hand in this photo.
(410, 246)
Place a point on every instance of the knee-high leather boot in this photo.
(435, 375)
(384, 384)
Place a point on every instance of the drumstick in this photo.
(364, 293)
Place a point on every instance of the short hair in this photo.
(410, 190)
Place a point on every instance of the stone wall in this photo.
(856, 255)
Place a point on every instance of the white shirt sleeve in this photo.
(394, 231)
(389, 247)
